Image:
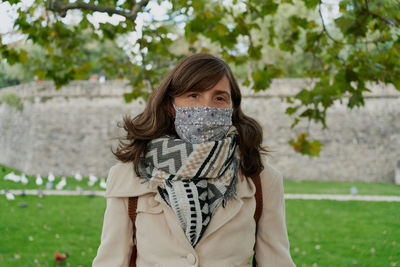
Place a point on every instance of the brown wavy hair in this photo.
(198, 72)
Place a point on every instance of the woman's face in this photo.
(218, 96)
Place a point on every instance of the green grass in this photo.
(327, 187)
(321, 232)
(348, 233)
(68, 224)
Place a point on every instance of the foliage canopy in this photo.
(360, 45)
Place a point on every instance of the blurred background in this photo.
(321, 77)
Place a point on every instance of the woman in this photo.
(190, 157)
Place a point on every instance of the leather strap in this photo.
(257, 213)
(132, 205)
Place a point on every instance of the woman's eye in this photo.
(220, 98)
(193, 95)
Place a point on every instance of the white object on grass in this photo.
(92, 180)
(103, 183)
(24, 180)
(353, 190)
(49, 185)
(51, 177)
(39, 180)
(12, 177)
(10, 196)
(78, 176)
(61, 184)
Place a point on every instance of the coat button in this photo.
(152, 202)
(191, 258)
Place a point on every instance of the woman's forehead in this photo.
(221, 85)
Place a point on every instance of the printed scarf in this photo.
(193, 179)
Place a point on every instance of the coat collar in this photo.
(123, 182)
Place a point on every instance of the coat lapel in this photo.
(245, 188)
(173, 223)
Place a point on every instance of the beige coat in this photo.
(228, 240)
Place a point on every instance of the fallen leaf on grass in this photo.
(59, 257)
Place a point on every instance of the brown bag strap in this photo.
(132, 205)
(259, 206)
(258, 196)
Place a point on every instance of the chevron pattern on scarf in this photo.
(193, 179)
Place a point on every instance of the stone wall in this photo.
(71, 130)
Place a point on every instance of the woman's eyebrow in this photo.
(222, 92)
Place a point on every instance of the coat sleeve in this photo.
(272, 242)
(116, 237)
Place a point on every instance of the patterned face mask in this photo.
(197, 125)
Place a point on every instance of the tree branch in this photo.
(61, 7)
(324, 27)
(388, 22)
(131, 3)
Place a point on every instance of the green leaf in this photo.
(12, 56)
(291, 110)
(343, 6)
(289, 99)
(351, 75)
(304, 96)
(262, 78)
(255, 52)
(23, 56)
(396, 83)
(311, 4)
(269, 8)
(41, 74)
(356, 99)
(344, 23)
(308, 113)
(306, 147)
(135, 94)
(296, 21)
(296, 121)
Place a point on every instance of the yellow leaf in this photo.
(297, 147)
(221, 29)
(50, 50)
(136, 70)
(204, 50)
(23, 56)
(208, 14)
(256, 75)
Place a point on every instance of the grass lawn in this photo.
(30, 235)
(322, 187)
(325, 232)
(343, 233)
(321, 232)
